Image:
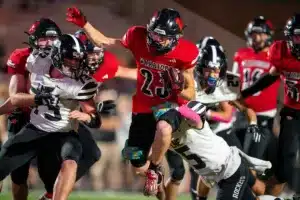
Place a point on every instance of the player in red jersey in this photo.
(285, 58)
(103, 64)
(251, 63)
(41, 34)
(158, 49)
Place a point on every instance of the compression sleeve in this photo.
(262, 83)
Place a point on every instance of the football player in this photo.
(160, 53)
(220, 118)
(40, 37)
(284, 56)
(103, 65)
(193, 139)
(51, 127)
(251, 63)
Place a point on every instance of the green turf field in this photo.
(95, 195)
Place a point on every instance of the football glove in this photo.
(174, 80)
(252, 135)
(107, 107)
(75, 16)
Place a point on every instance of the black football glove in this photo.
(252, 135)
(43, 99)
(107, 107)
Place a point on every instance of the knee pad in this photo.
(20, 175)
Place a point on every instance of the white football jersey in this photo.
(37, 66)
(54, 117)
(229, 90)
(206, 152)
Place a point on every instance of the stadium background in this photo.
(112, 179)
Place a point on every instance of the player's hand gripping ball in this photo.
(174, 80)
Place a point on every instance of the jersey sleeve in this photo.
(108, 68)
(236, 61)
(128, 38)
(274, 55)
(85, 89)
(30, 62)
(190, 57)
(15, 64)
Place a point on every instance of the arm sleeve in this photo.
(14, 64)
(262, 83)
(85, 91)
(191, 57)
(128, 38)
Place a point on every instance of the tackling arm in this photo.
(262, 83)
(99, 38)
(128, 73)
(88, 115)
(252, 119)
(188, 92)
(224, 115)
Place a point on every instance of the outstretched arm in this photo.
(262, 83)
(75, 16)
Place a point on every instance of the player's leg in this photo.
(48, 163)
(16, 121)
(90, 151)
(138, 145)
(194, 184)
(236, 186)
(177, 172)
(167, 123)
(71, 151)
(288, 146)
(18, 150)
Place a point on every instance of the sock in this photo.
(48, 195)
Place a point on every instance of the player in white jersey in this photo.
(58, 97)
(203, 144)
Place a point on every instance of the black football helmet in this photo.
(211, 67)
(164, 30)
(43, 28)
(95, 55)
(207, 41)
(292, 34)
(259, 25)
(69, 56)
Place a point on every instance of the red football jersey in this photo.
(150, 84)
(251, 67)
(289, 68)
(107, 69)
(16, 63)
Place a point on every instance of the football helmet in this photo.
(211, 68)
(253, 33)
(164, 30)
(42, 33)
(95, 55)
(69, 56)
(208, 40)
(292, 34)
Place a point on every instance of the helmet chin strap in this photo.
(210, 90)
